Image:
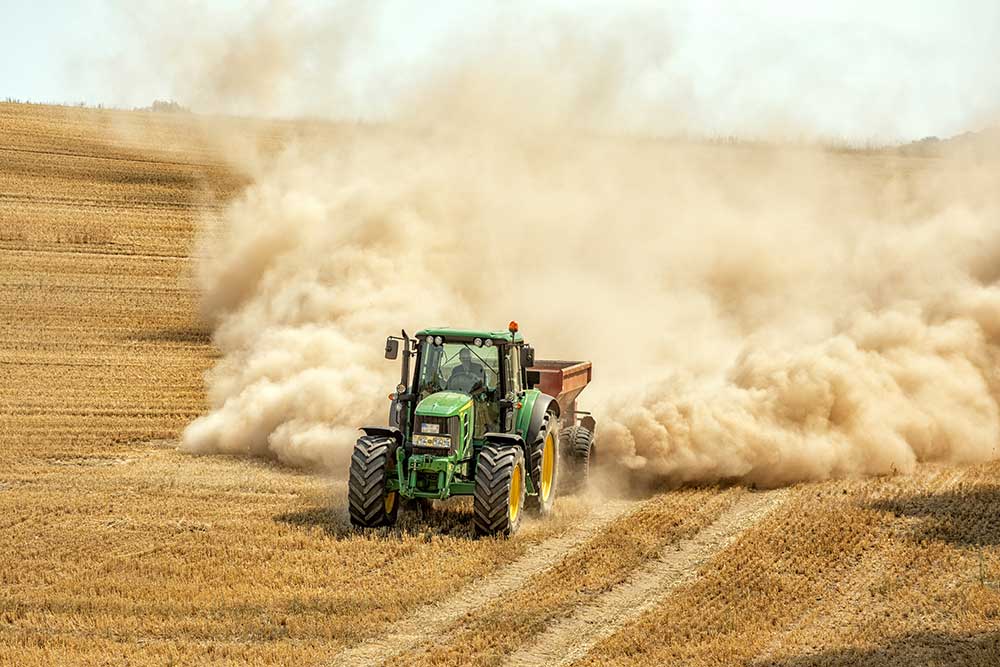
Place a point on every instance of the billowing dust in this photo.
(760, 312)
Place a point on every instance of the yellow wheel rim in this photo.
(515, 493)
(390, 501)
(548, 465)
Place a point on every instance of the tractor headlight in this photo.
(432, 441)
(489, 342)
(400, 388)
(430, 340)
(438, 340)
(478, 342)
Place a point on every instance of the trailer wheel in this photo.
(369, 503)
(498, 502)
(544, 452)
(578, 456)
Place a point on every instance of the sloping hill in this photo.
(115, 547)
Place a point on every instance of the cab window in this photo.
(459, 367)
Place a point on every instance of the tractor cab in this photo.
(486, 369)
(463, 368)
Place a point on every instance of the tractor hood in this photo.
(443, 404)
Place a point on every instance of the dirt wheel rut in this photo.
(571, 638)
(431, 620)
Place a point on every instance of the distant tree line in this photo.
(168, 106)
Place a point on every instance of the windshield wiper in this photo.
(486, 364)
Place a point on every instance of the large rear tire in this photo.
(370, 504)
(498, 503)
(544, 450)
(578, 456)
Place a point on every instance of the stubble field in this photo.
(115, 548)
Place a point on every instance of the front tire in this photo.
(498, 503)
(370, 504)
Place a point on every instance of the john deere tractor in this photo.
(473, 419)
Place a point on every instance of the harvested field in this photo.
(842, 574)
(115, 547)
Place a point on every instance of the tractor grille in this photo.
(448, 426)
(442, 422)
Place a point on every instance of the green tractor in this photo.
(480, 417)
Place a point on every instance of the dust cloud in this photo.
(761, 312)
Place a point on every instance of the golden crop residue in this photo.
(159, 556)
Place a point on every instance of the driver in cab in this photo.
(467, 375)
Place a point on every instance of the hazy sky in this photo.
(849, 69)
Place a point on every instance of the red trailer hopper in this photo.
(564, 380)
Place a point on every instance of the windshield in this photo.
(461, 367)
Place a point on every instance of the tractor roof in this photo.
(451, 332)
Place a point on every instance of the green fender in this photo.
(534, 405)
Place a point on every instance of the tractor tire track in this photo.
(433, 619)
(76, 203)
(571, 638)
(124, 156)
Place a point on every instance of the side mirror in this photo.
(527, 356)
(391, 348)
